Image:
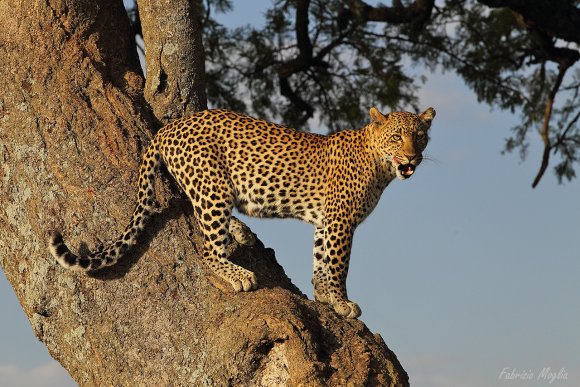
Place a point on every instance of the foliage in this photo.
(282, 76)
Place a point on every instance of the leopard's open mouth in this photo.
(406, 170)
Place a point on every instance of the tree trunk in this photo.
(73, 122)
(175, 58)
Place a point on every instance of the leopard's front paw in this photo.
(243, 280)
(347, 308)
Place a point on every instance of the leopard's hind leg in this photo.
(213, 198)
(241, 232)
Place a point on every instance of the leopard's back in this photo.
(274, 171)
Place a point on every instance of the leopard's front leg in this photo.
(320, 272)
(338, 236)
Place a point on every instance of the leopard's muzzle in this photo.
(406, 170)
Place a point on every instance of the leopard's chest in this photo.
(372, 194)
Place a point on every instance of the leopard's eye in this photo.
(420, 135)
(395, 138)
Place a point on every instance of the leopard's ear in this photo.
(427, 116)
(377, 116)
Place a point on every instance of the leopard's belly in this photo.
(275, 206)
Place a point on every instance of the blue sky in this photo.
(463, 269)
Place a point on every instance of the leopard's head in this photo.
(401, 138)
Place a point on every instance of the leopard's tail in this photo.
(109, 255)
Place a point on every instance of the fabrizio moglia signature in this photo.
(548, 374)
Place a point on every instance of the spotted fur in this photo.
(222, 160)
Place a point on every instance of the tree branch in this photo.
(334, 43)
(544, 132)
(562, 136)
(560, 19)
(302, 33)
(301, 63)
(287, 91)
(175, 58)
(417, 13)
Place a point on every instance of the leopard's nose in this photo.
(410, 157)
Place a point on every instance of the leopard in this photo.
(223, 160)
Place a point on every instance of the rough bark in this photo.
(175, 60)
(73, 122)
